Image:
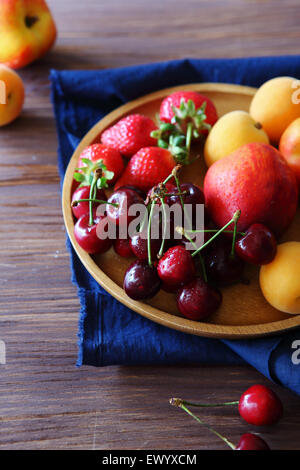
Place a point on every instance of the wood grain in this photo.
(45, 402)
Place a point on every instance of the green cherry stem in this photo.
(93, 190)
(206, 405)
(149, 234)
(183, 232)
(161, 250)
(179, 403)
(99, 201)
(214, 231)
(234, 218)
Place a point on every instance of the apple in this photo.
(27, 31)
(11, 95)
(280, 279)
(289, 146)
(257, 180)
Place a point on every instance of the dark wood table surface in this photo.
(45, 402)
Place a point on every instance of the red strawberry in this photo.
(148, 167)
(186, 113)
(130, 134)
(112, 159)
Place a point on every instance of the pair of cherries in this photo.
(258, 406)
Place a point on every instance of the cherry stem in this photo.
(179, 403)
(214, 231)
(236, 216)
(236, 219)
(149, 234)
(75, 203)
(92, 196)
(207, 405)
(183, 232)
(164, 228)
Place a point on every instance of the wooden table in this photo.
(45, 402)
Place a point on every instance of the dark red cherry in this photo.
(141, 281)
(176, 266)
(87, 237)
(251, 441)
(222, 268)
(192, 194)
(198, 300)
(122, 247)
(169, 188)
(83, 192)
(133, 188)
(260, 406)
(139, 246)
(258, 246)
(124, 198)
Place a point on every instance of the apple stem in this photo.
(236, 215)
(179, 403)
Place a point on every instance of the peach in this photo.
(230, 132)
(257, 180)
(11, 95)
(274, 106)
(280, 279)
(289, 147)
(27, 31)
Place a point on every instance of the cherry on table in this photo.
(249, 441)
(257, 246)
(83, 192)
(141, 281)
(176, 266)
(260, 406)
(86, 236)
(198, 300)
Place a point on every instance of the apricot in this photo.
(275, 107)
(280, 279)
(289, 147)
(11, 95)
(230, 132)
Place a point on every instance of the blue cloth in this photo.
(110, 333)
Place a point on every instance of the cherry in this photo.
(198, 300)
(168, 187)
(134, 188)
(222, 268)
(141, 281)
(260, 406)
(176, 266)
(249, 441)
(258, 246)
(86, 236)
(122, 247)
(192, 195)
(123, 198)
(139, 246)
(83, 192)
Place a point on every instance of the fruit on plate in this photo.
(230, 132)
(176, 267)
(274, 107)
(87, 237)
(257, 246)
(82, 207)
(185, 113)
(11, 95)
(280, 279)
(122, 247)
(118, 206)
(223, 268)
(198, 300)
(257, 180)
(27, 31)
(148, 167)
(111, 158)
(260, 406)
(289, 147)
(141, 281)
(130, 134)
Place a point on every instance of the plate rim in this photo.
(185, 325)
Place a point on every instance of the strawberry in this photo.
(130, 134)
(182, 107)
(111, 158)
(148, 167)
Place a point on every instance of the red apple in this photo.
(27, 31)
(257, 180)
(289, 146)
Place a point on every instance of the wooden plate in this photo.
(244, 312)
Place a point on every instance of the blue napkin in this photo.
(110, 333)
